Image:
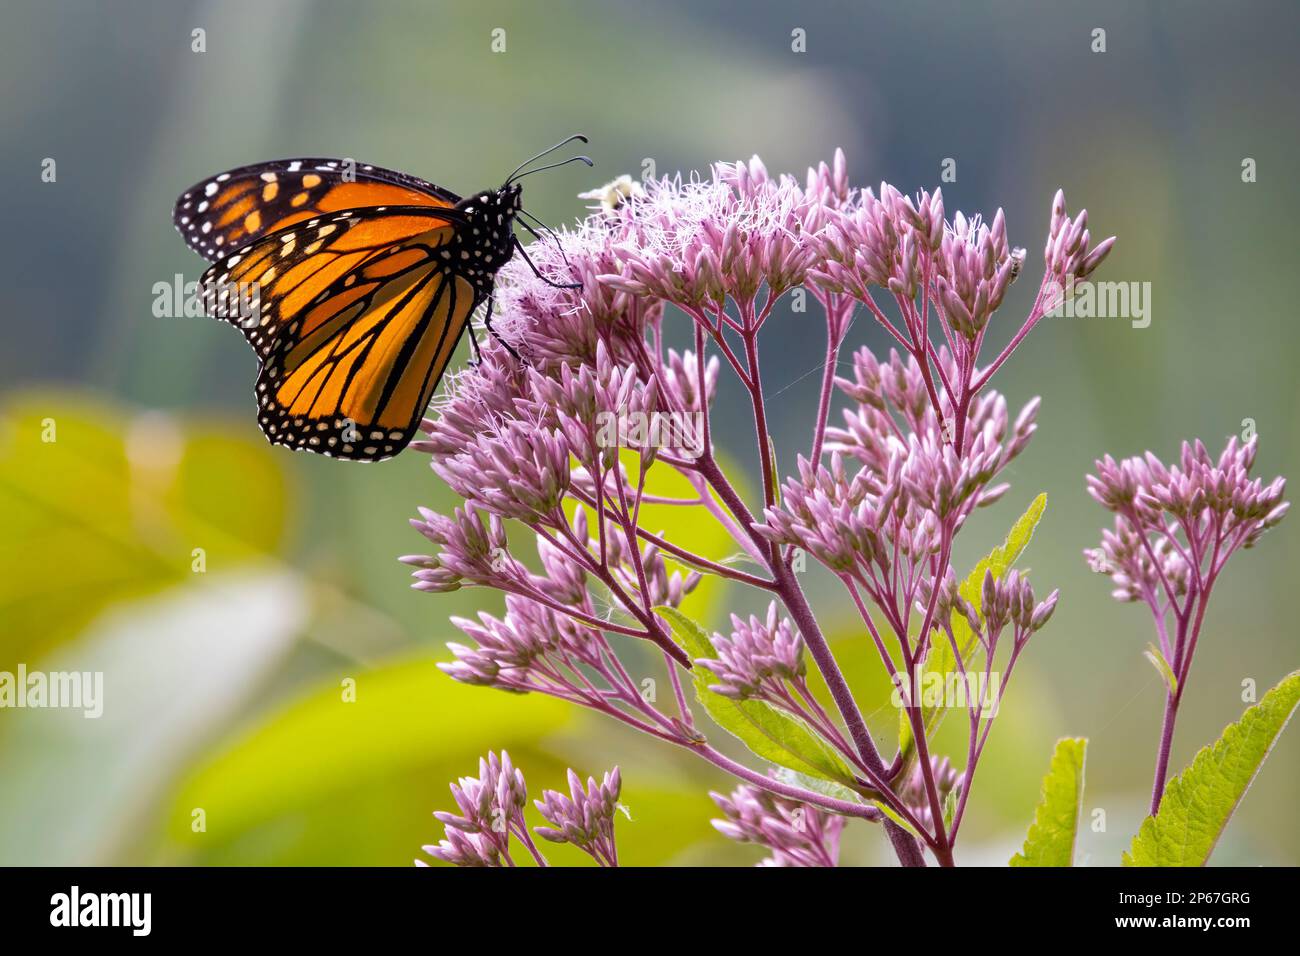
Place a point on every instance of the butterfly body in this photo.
(488, 240)
(353, 284)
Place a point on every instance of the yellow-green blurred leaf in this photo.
(101, 503)
(175, 668)
(313, 758)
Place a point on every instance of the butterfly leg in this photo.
(551, 282)
(478, 352)
(487, 324)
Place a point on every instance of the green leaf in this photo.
(1051, 837)
(1157, 659)
(940, 659)
(689, 634)
(949, 809)
(772, 734)
(1198, 803)
(827, 788)
(893, 815)
(776, 470)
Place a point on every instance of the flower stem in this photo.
(787, 587)
(793, 597)
(905, 845)
(1162, 756)
(780, 789)
(837, 319)
(527, 840)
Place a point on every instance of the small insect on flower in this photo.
(1017, 261)
(614, 194)
(366, 280)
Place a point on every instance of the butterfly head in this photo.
(488, 236)
(507, 200)
(512, 196)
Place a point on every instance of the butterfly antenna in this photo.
(576, 137)
(563, 162)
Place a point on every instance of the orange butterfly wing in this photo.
(221, 214)
(356, 317)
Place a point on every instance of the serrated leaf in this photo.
(772, 734)
(1198, 803)
(1051, 837)
(940, 658)
(690, 635)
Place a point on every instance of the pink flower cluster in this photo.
(491, 813)
(558, 445)
(793, 833)
(1175, 528)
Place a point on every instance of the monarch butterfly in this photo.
(354, 285)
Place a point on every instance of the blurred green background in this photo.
(224, 690)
